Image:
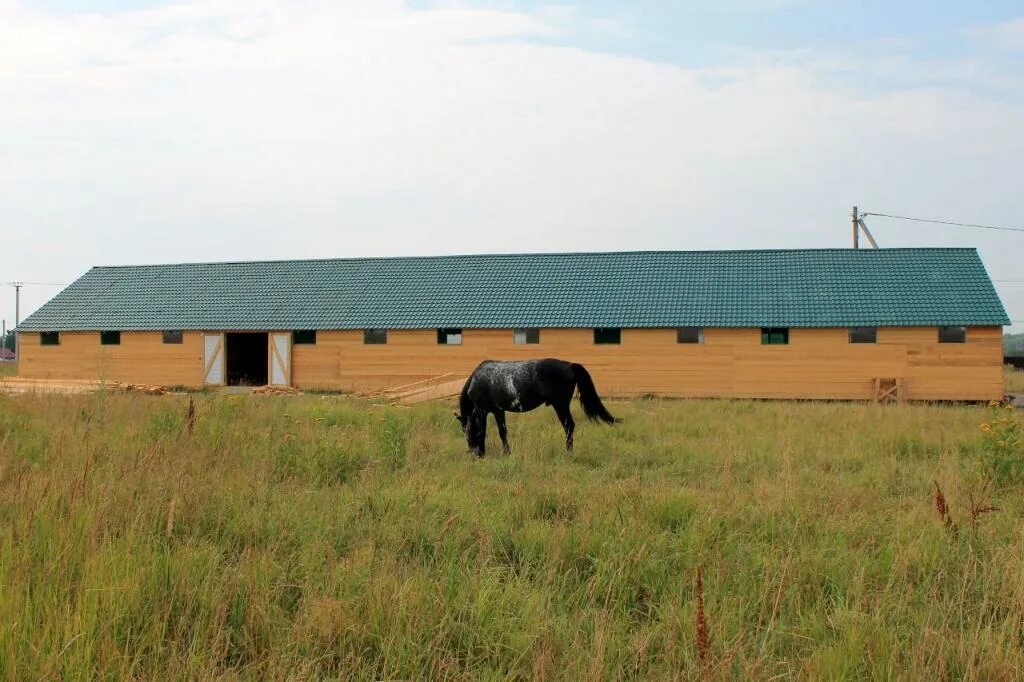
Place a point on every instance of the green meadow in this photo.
(326, 537)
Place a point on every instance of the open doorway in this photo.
(246, 359)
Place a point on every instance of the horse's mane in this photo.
(465, 404)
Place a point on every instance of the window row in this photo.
(770, 336)
(109, 338)
(446, 336)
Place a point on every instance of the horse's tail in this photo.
(592, 405)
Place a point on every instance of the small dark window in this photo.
(952, 334)
(49, 338)
(375, 336)
(526, 335)
(173, 337)
(305, 337)
(689, 335)
(607, 335)
(774, 336)
(449, 337)
(110, 338)
(863, 334)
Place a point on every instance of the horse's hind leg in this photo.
(565, 417)
(499, 418)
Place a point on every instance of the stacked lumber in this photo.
(440, 387)
(405, 388)
(275, 389)
(16, 385)
(148, 389)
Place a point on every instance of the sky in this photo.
(153, 131)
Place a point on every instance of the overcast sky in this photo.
(149, 132)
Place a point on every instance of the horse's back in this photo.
(521, 385)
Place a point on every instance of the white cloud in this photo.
(1007, 35)
(261, 129)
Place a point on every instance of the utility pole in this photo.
(856, 228)
(17, 316)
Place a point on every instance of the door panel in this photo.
(213, 359)
(281, 359)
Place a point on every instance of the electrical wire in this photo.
(945, 222)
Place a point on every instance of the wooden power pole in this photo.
(856, 228)
(17, 318)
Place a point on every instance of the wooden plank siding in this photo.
(816, 364)
(142, 357)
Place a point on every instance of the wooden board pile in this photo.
(273, 389)
(16, 385)
(148, 389)
(440, 387)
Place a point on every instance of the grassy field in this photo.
(8, 369)
(322, 537)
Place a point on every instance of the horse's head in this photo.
(472, 429)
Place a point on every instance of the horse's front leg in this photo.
(565, 417)
(480, 422)
(499, 419)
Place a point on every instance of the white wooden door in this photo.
(281, 358)
(213, 359)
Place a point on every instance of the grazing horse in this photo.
(496, 387)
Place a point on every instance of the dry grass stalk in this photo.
(701, 624)
(169, 528)
(446, 526)
(942, 508)
(977, 509)
(190, 418)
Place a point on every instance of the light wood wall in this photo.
(141, 358)
(817, 363)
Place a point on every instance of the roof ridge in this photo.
(539, 254)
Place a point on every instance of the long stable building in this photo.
(825, 323)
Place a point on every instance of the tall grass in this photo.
(8, 369)
(321, 537)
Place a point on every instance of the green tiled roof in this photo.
(801, 288)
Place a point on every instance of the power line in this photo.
(945, 222)
(38, 284)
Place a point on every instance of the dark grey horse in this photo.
(498, 387)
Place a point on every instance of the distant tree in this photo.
(1013, 344)
(8, 341)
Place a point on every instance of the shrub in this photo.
(1003, 445)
